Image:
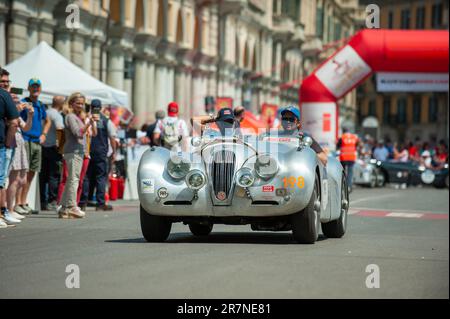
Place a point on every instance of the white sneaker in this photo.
(75, 212)
(25, 209)
(20, 210)
(58, 208)
(16, 215)
(3, 224)
(9, 219)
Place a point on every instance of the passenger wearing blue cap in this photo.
(291, 125)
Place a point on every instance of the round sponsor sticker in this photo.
(221, 196)
(162, 192)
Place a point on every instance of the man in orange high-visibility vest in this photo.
(348, 145)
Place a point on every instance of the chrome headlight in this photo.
(266, 166)
(245, 178)
(427, 176)
(195, 179)
(178, 167)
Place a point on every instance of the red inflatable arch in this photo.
(368, 51)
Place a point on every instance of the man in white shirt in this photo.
(172, 132)
(381, 153)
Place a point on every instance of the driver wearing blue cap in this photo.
(291, 126)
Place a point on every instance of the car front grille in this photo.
(222, 172)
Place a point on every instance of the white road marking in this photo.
(357, 209)
(405, 215)
(372, 198)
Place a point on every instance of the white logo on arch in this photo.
(342, 72)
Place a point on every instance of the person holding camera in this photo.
(78, 124)
(97, 174)
(8, 127)
(35, 137)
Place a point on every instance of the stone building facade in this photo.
(253, 51)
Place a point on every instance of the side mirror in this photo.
(303, 142)
(196, 141)
(307, 141)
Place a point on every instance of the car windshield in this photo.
(224, 130)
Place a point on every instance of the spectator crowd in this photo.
(431, 154)
(70, 145)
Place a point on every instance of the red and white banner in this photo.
(371, 50)
(412, 82)
(343, 71)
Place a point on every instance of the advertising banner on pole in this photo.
(319, 120)
(222, 102)
(269, 113)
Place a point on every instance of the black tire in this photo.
(442, 183)
(337, 228)
(381, 178)
(306, 224)
(200, 229)
(373, 179)
(154, 228)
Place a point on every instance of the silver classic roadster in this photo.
(273, 183)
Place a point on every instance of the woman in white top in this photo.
(19, 164)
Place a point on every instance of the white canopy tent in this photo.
(59, 76)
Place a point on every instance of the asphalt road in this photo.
(404, 232)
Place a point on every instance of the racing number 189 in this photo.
(292, 181)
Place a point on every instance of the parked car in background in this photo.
(412, 173)
(367, 173)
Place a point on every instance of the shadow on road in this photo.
(223, 238)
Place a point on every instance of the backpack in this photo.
(171, 134)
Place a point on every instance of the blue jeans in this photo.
(96, 179)
(348, 168)
(6, 156)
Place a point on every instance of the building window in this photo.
(420, 18)
(337, 31)
(405, 19)
(291, 8)
(417, 110)
(401, 111)
(436, 16)
(387, 110)
(275, 6)
(330, 29)
(372, 108)
(433, 109)
(391, 20)
(319, 22)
